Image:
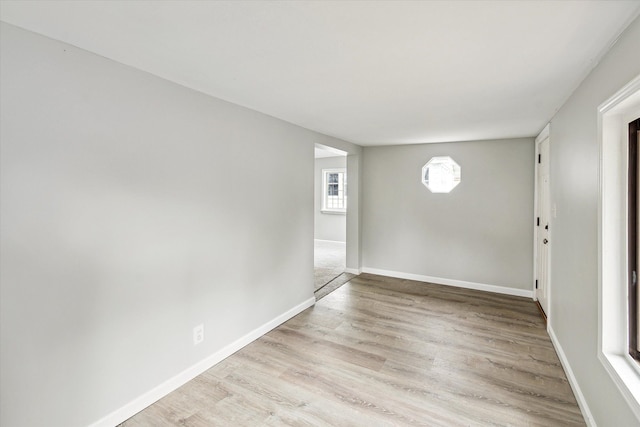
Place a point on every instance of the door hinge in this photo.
(539, 158)
(536, 283)
(538, 222)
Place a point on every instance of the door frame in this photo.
(544, 134)
(353, 214)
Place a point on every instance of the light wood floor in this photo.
(386, 352)
(333, 285)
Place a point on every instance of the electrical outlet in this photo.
(198, 334)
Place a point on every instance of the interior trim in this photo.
(130, 409)
(573, 382)
(452, 282)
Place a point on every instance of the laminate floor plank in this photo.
(380, 351)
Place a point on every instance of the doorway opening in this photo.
(330, 220)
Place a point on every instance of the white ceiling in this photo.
(370, 72)
(322, 151)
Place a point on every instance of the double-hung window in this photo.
(334, 190)
(619, 244)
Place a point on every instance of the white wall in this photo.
(481, 232)
(354, 211)
(574, 250)
(132, 210)
(328, 226)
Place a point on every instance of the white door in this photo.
(542, 222)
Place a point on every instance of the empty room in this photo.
(319, 213)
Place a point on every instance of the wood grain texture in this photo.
(386, 352)
(334, 284)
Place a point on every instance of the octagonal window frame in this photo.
(441, 174)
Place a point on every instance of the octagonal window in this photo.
(441, 174)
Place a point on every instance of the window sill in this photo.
(331, 212)
(626, 375)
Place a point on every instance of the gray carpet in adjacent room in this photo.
(329, 261)
(333, 285)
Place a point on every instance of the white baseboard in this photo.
(155, 394)
(355, 271)
(329, 241)
(582, 403)
(451, 282)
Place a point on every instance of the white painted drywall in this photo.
(134, 209)
(481, 232)
(354, 211)
(370, 71)
(328, 226)
(574, 250)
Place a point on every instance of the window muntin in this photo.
(334, 190)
